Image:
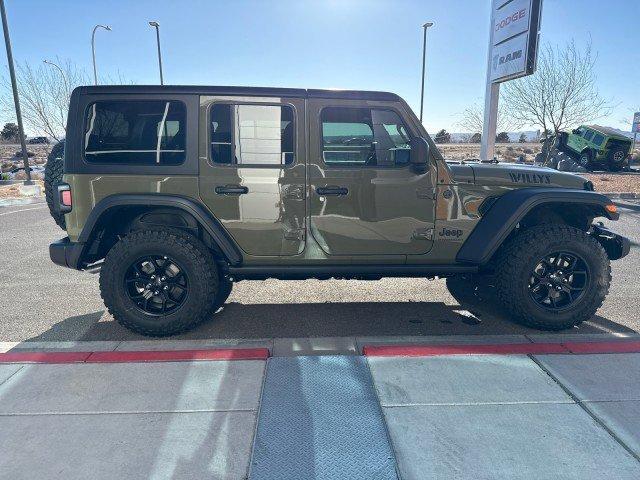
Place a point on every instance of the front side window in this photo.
(252, 135)
(135, 132)
(363, 137)
(588, 135)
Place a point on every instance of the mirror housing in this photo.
(419, 154)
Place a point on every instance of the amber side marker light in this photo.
(611, 208)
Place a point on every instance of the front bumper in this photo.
(66, 253)
(615, 245)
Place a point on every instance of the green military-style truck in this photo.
(596, 147)
(177, 192)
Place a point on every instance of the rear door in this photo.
(364, 197)
(252, 171)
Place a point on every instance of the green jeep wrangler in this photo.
(596, 147)
(177, 192)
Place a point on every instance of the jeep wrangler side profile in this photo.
(177, 192)
(596, 146)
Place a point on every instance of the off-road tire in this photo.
(516, 260)
(613, 165)
(561, 141)
(53, 171)
(192, 256)
(585, 159)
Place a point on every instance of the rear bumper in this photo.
(66, 253)
(615, 245)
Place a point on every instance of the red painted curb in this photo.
(604, 347)
(136, 356)
(44, 357)
(432, 350)
(179, 355)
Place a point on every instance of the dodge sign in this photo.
(514, 38)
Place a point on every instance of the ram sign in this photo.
(636, 123)
(514, 38)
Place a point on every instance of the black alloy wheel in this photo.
(559, 280)
(156, 284)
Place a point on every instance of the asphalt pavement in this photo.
(40, 301)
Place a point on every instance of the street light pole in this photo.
(93, 50)
(424, 57)
(16, 99)
(157, 27)
(64, 77)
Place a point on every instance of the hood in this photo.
(516, 175)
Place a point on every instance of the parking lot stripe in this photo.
(430, 350)
(44, 357)
(179, 355)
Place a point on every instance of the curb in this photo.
(620, 195)
(568, 348)
(136, 356)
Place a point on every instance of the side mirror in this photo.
(419, 155)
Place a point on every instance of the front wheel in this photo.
(159, 282)
(586, 159)
(552, 277)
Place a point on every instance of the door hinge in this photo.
(423, 233)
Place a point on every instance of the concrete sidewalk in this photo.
(194, 414)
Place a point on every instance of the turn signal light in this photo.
(611, 208)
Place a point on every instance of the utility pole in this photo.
(157, 27)
(424, 58)
(16, 99)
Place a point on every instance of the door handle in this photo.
(231, 190)
(338, 191)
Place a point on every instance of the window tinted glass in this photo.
(598, 139)
(252, 135)
(135, 132)
(363, 137)
(588, 135)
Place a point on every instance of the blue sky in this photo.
(359, 44)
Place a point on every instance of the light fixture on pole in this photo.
(16, 98)
(64, 77)
(93, 50)
(424, 57)
(156, 25)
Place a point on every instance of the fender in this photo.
(509, 209)
(202, 216)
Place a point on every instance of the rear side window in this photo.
(598, 139)
(363, 137)
(252, 135)
(135, 132)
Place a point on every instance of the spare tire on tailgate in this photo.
(53, 171)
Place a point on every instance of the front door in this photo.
(252, 171)
(364, 196)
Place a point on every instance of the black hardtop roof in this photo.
(245, 91)
(608, 131)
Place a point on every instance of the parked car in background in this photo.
(38, 140)
(596, 147)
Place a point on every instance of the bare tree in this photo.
(472, 119)
(44, 95)
(561, 94)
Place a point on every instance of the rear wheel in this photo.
(616, 160)
(159, 282)
(552, 277)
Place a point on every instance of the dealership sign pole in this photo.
(513, 51)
